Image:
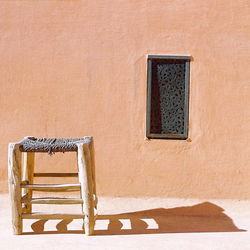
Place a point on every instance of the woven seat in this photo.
(51, 145)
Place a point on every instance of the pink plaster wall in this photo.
(71, 68)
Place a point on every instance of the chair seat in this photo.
(21, 164)
(51, 145)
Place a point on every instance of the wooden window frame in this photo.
(150, 135)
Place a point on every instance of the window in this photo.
(167, 97)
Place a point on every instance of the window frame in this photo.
(183, 136)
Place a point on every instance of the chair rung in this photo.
(52, 216)
(52, 201)
(52, 187)
(55, 175)
(24, 182)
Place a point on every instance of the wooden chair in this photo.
(21, 157)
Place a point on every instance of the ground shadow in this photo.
(38, 228)
(203, 217)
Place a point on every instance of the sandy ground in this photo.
(137, 223)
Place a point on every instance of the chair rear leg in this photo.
(28, 172)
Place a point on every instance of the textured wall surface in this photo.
(71, 68)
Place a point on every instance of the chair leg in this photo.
(14, 175)
(28, 172)
(92, 157)
(85, 179)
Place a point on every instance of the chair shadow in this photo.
(203, 217)
(38, 228)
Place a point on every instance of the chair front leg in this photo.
(85, 179)
(14, 175)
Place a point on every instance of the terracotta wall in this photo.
(71, 68)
